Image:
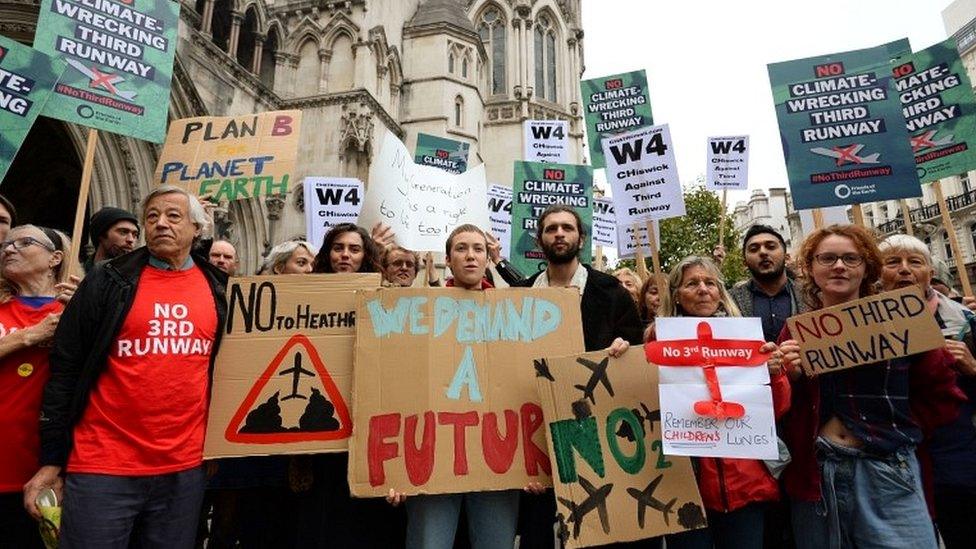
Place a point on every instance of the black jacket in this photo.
(607, 309)
(85, 333)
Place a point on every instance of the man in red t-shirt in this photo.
(124, 414)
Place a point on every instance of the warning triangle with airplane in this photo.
(295, 399)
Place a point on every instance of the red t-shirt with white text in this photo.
(23, 374)
(147, 413)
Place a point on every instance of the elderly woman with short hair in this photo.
(906, 261)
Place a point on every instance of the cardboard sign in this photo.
(536, 187)
(422, 204)
(121, 63)
(330, 201)
(546, 141)
(447, 154)
(940, 110)
(604, 223)
(728, 163)
(843, 130)
(27, 77)
(613, 478)
(715, 395)
(614, 104)
(283, 375)
(500, 215)
(444, 391)
(874, 329)
(232, 157)
(643, 175)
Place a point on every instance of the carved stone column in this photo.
(275, 204)
(235, 32)
(324, 57)
(206, 18)
(258, 52)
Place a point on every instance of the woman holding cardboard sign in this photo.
(952, 447)
(733, 490)
(854, 479)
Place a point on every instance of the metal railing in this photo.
(928, 212)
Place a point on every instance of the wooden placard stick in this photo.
(907, 217)
(599, 258)
(818, 221)
(639, 253)
(74, 263)
(858, 214)
(953, 243)
(655, 260)
(721, 218)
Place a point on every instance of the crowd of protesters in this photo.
(102, 411)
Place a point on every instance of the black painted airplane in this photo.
(599, 375)
(645, 498)
(596, 498)
(649, 416)
(296, 375)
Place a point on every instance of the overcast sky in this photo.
(706, 61)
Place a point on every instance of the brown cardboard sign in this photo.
(873, 329)
(444, 397)
(603, 425)
(283, 375)
(231, 157)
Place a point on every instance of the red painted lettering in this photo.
(378, 450)
(499, 452)
(903, 70)
(419, 460)
(828, 69)
(282, 126)
(460, 421)
(535, 457)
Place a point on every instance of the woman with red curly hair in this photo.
(854, 480)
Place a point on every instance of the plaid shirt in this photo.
(872, 401)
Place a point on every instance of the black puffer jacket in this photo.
(84, 336)
(607, 309)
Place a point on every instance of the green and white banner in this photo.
(842, 128)
(27, 77)
(940, 110)
(538, 185)
(447, 154)
(614, 104)
(120, 57)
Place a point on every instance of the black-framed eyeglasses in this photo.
(828, 259)
(24, 242)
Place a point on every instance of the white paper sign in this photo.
(687, 433)
(546, 141)
(328, 202)
(627, 244)
(643, 175)
(604, 223)
(500, 215)
(422, 204)
(728, 163)
(836, 215)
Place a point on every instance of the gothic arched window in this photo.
(545, 59)
(491, 28)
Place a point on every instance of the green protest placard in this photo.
(842, 128)
(614, 104)
(536, 186)
(443, 153)
(940, 110)
(121, 62)
(27, 77)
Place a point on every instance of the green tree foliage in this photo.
(696, 233)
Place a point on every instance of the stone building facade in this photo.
(471, 70)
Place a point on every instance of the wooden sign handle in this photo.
(655, 260)
(907, 217)
(967, 288)
(818, 222)
(599, 258)
(639, 253)
(858, 214)
(74, 263)
(721, 218)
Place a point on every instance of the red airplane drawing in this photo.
(709, 353)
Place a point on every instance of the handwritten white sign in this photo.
(422, 204)
(728, 163)
(641, 171)
(500, 214)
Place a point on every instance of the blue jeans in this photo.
(492, 517)
(867, 502)
(107, 511)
